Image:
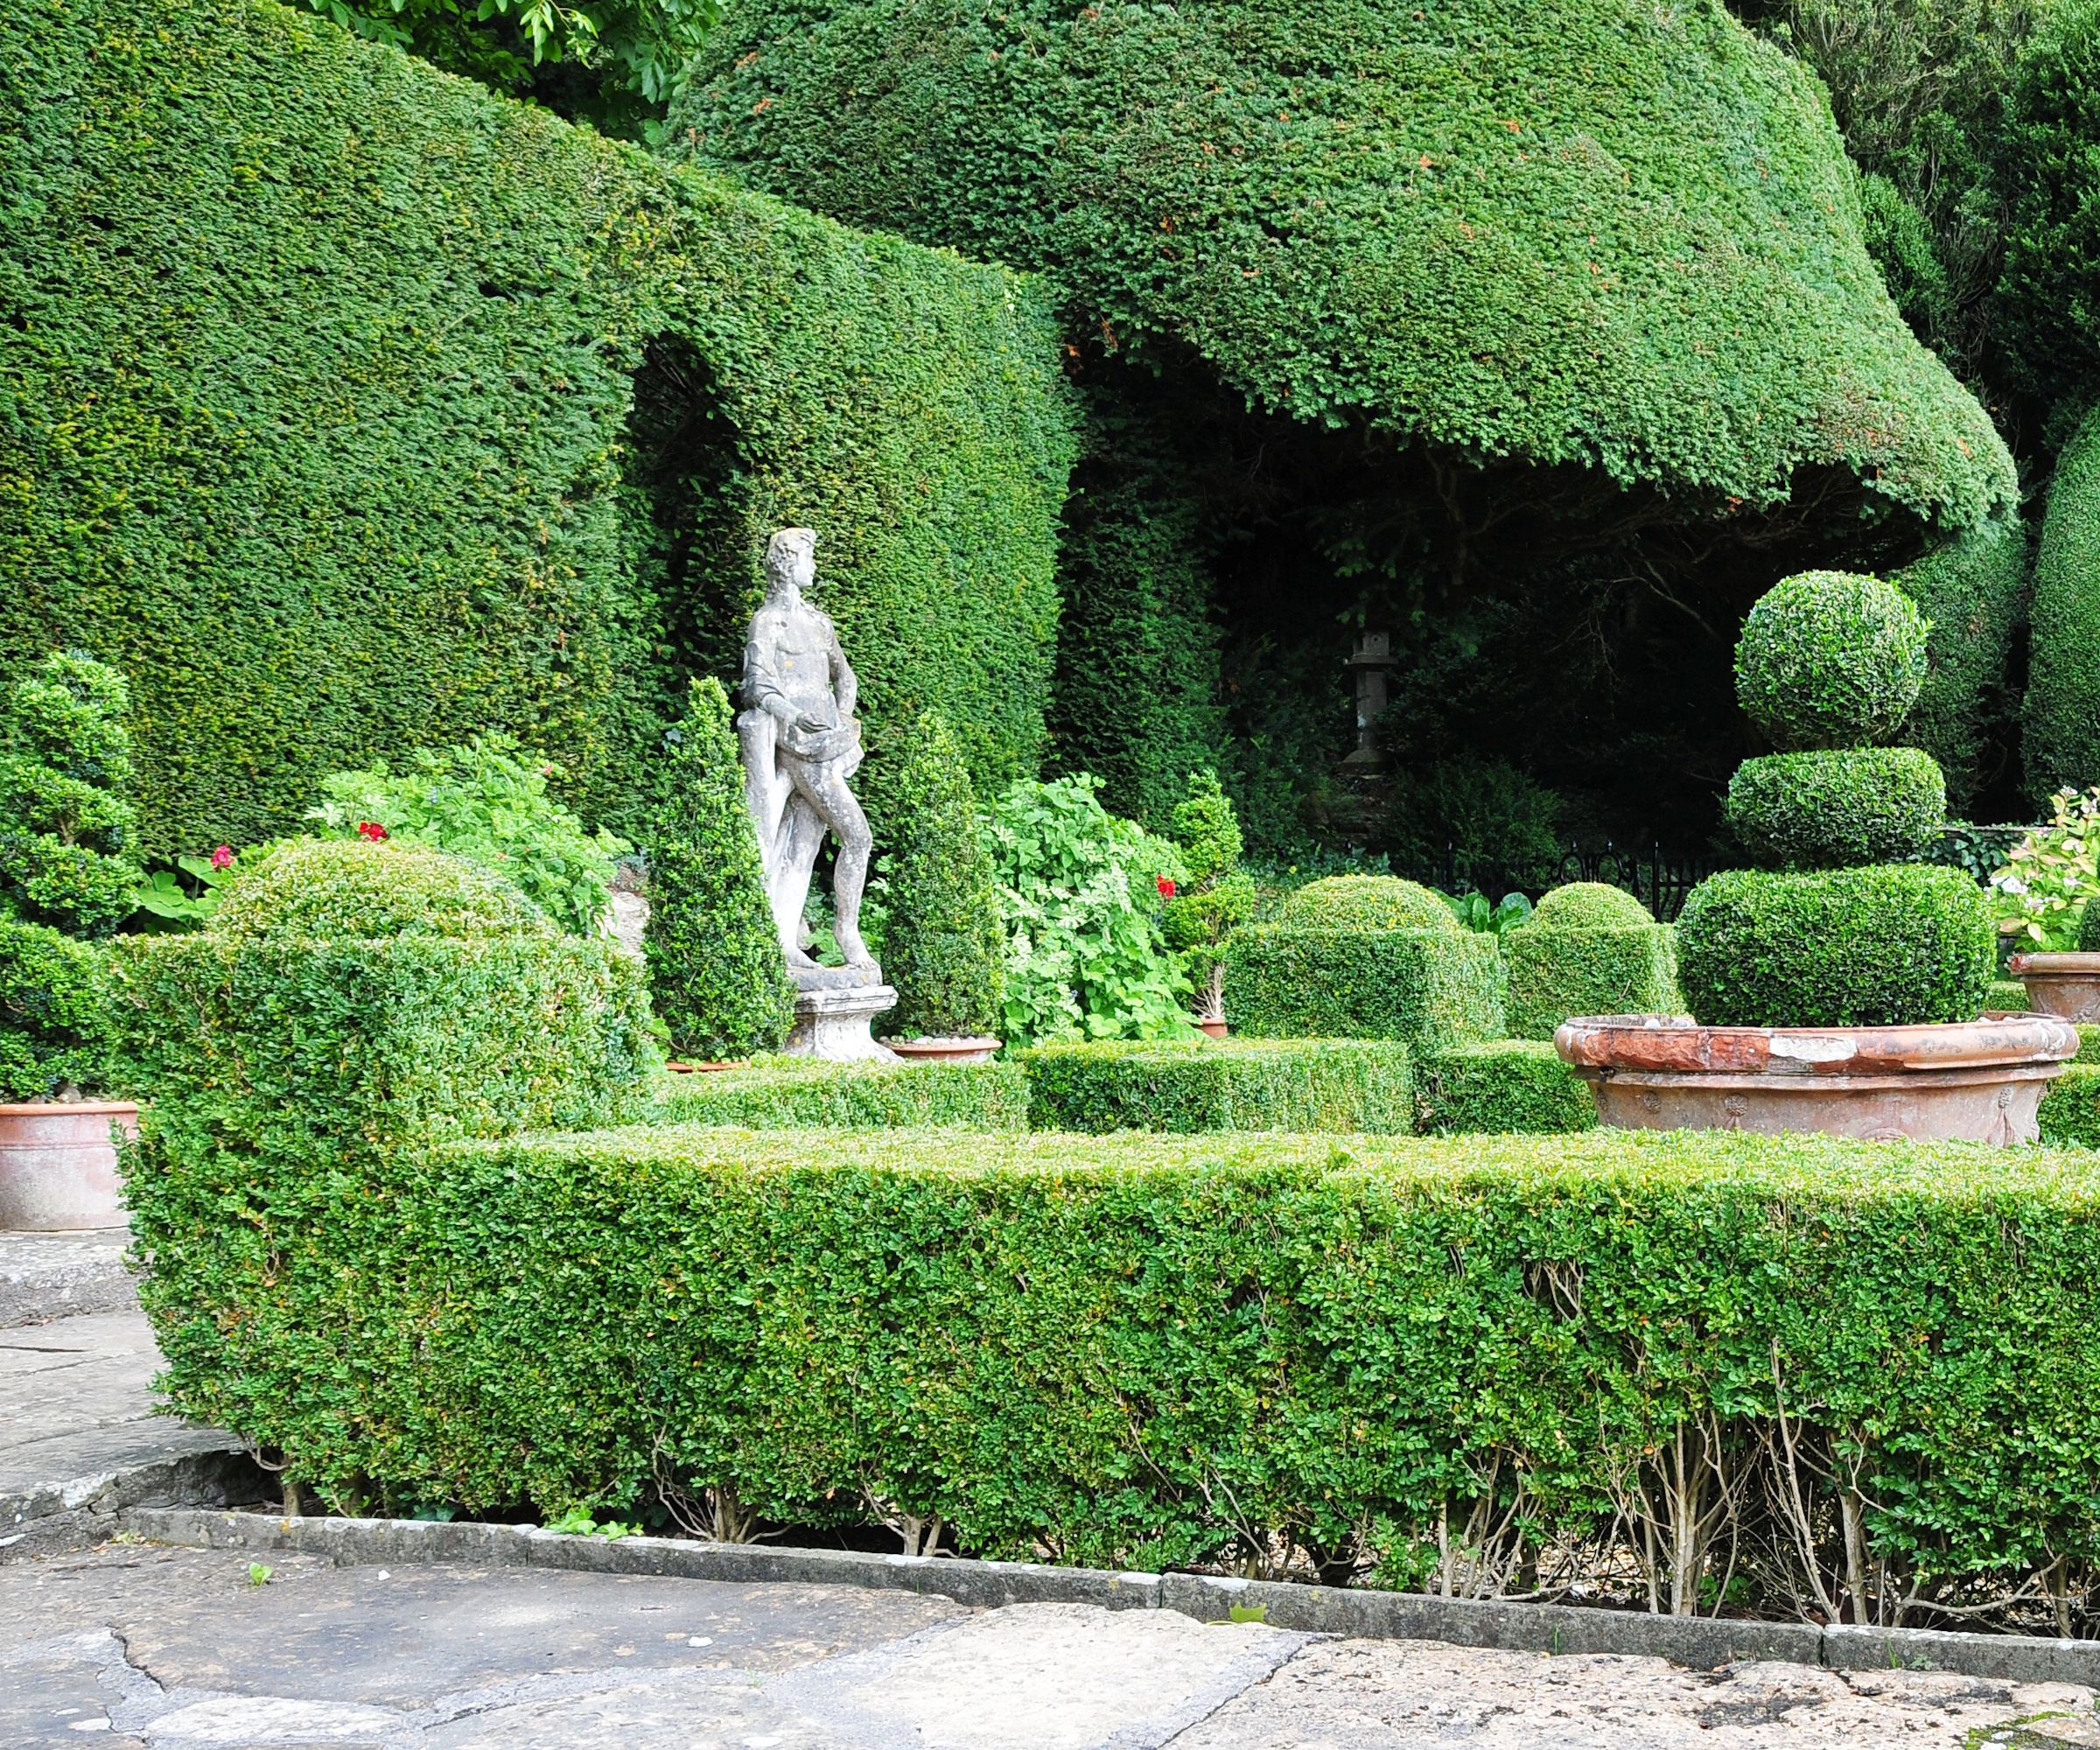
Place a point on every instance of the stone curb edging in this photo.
(1701, 1642)
(55, 1517)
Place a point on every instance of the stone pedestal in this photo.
(833, 1024)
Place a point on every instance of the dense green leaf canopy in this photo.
(347, 408)
(1596, 232)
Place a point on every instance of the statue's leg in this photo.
(824, 787)
(800, 838)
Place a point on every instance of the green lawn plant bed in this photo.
(782, 1093)
(1222, 1085)
(1504, 1086)
(1292, 1354)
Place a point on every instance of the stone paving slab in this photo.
(79, 1439)
(62, 1275)
(174, 1648)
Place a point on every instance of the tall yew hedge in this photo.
(347, 407)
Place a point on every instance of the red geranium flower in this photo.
(371, 829)
(223, 857)
(1166, 887)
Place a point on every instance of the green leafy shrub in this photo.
(1221, 1085)
(2070, 1114)
(716, 969)
(1218, 897)
(52, 1024)
(1973, 593)
(1831, 659)
(1146, 1352)
(310, 540)
(1588, 904)
(1424, 986)
(794, 1093)
(326, 889)
(2061, 745)
(1500, 1087)
(1080, 903)
(1499, 917)
(1822, 809)
(1589, 948)
(1366, 902)
(66, 821)
(486, 802)
(1883, 946)
(942, 945)
(2047, 882)
(1484, 815)
(2006, 995)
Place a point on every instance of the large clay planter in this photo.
(963, 1050)
(1966, 1081)
(58, 1165)
(2065, 984)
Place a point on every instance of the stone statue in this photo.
(800, 743)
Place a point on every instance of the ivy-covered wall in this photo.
(347, 407)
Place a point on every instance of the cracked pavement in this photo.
(174, 1649)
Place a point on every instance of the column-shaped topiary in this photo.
(65, 873)
(716, 971)
(65, 817)
(1835, 931)
(942, 946)
(1220, 895)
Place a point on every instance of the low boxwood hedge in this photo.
(2069, 1116)
(784, 1092)
(1557, 973)
(1144, 1351)
(1426, 987)
(1500, 1087)
(2007, 996)
(1222, 1085)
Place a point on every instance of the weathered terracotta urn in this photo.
(964, 1049)
(58, 1165)
(2065, 984)
(1954, 1081)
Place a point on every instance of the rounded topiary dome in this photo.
(1367, 902)
(1831, 659)
(1588, 904)
(336, 887)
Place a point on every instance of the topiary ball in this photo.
(1831, 659)
(1831, 809)
(322, 888)
(1588, 904)
(1892, 945)
(1366, 902)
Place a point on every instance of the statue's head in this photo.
(790, 560)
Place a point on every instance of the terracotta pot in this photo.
(966, 1050)
(1211, 1029)
(1964, 1081)
(58, 1165)
(2065, 984)
(701, 1068)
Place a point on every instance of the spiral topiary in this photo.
(1367, 902)
(326, 888)
(1831, 659)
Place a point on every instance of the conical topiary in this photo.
(1829, 662)
(716, 975)
(942, 946)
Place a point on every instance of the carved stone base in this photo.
(833, 1025)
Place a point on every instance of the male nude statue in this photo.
(800, 742)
